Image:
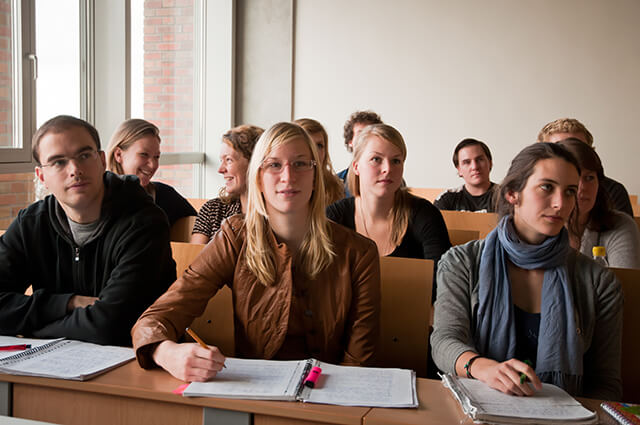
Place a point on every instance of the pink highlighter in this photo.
(312, 377)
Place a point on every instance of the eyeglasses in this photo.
(274, 166)
(60, 164)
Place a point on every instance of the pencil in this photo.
(199, 340)
(523, 378)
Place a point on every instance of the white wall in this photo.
(496, 70)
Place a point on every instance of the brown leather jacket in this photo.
(342, 304)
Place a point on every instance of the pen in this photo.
(524, 378)
(15, 347)
(199, 341)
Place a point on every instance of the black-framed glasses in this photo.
(275, 166)
(60, 164)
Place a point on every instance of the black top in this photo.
(172, 203)
(459, 199)
(426, 236)
(527, 328)
(127, 263)
(618, 195)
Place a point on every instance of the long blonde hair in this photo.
(401, 209)
(126, 135)
(316, 251)
(333, 185)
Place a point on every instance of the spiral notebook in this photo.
(550, 405)
(61, 358)
(283, 380)
(624, 413)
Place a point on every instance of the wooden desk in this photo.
(131, 395)
(437, 406)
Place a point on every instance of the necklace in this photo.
(385, 249)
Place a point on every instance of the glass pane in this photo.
(58, 51)
(6, 75)
(182, 177)
(163, 78)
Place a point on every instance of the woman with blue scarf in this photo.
(522, 301)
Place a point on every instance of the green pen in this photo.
(524, 378)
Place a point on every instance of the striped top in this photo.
(212, 213)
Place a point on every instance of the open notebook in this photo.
(551, 405)
(61, 358)
(283, 380)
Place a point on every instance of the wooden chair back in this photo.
(181, 229)
(197, 203)
(460, 237)
(630, 280)
(405, 312)
(483, 223)
(429, 194)
(637, 219)
(636, 210)
(633, 199)
(215, 325)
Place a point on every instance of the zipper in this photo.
(77, 256)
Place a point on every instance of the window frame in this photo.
(24, 65)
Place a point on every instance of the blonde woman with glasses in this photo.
(303, 286)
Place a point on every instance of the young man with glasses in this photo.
(96, 251)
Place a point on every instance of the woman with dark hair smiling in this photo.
(598, 223)
(522, 294)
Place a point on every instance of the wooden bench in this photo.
(215, 325)
(630, 280)
(461, 237)
(405, 313)
(197, 203)
(483, 223)
(181, 229)
(429, 194)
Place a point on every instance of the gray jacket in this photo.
(622, 242)
(597, 300)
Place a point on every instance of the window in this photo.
(165, 85)
(58, 51)
(16, 81)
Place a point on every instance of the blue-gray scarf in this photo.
(559, 357)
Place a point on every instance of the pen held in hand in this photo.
(523, 377)
(199, 341)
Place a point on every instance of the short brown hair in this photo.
(358, 117)
(470, 142)
(60, 124)
(565, 125)
(126, 135)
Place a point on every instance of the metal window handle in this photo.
(33, 58)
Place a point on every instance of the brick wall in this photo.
(168, 82)
(16, 192)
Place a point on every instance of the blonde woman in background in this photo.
(382, 208)
(333, 185)
(135, 149)
(302, 285)
(237, 146)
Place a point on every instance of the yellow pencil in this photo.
(199, 341)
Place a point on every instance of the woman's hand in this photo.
(505, 376)
(189, 361)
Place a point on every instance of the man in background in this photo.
(472, 159)
(565, 128)
(96, 251)
(354, 125)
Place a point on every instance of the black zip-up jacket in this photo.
(127, 263)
